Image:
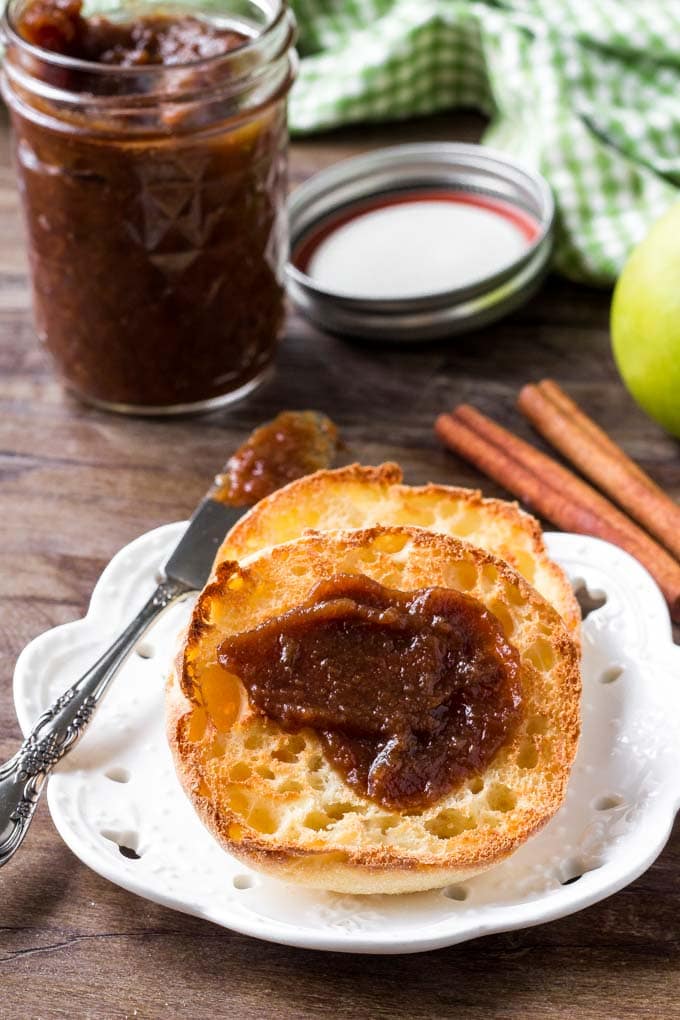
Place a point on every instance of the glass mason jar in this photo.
(154, 201)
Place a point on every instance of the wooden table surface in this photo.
(76, 485)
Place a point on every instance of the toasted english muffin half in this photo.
(271, 797)
(362, 497)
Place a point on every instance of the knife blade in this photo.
(190, 562)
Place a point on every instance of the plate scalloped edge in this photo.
(119, 807)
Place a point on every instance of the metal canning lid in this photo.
(418, 242)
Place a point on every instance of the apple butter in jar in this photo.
(151, 149)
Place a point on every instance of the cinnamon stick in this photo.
(554, 492)
(550, 389)
(562, 422)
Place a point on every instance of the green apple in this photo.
(645, 322)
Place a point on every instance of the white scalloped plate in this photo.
(118, 787)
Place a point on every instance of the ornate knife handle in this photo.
(59, 728)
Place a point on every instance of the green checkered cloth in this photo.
(587, 91)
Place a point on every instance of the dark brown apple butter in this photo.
(410, 692)
(59, 26)
(151, 152)
(294, 444)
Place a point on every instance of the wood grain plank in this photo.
(76, 485)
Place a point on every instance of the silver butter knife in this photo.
(22, 778)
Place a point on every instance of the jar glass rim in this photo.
(280, 11)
